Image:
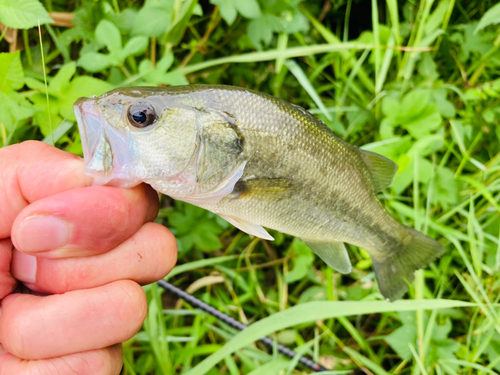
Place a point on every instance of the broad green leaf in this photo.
(427, 145)
(436, 18)
(445, 187)
(287, 337)
(135, 46)
(313, 311)
(272, 367)
(427, 67)
(108, 35)
(400, 339)
(95, 61)
(302, 258)
(152, 22)
(415, 113)
(177, 31)
(227, 10)
(23, 14)
(165, 62)
(81, 86)
(125, 20)
(62, 79)
(11, 72)
(491, 17)
(260, 30)
(13, 109)
(390, 107)
(172, 79)
(247, 8)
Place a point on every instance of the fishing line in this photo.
(196, 303)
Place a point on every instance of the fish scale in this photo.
(257, 161)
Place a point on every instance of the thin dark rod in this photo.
(196, 303)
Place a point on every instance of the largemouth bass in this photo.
(257, 161)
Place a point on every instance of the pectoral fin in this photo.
(248, 227)
(264, 189)
(332, 253)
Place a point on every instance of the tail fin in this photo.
(392, 271)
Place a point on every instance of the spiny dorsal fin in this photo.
(332, 253)
(382, 169)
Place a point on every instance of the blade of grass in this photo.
(198, 264)
(352, 75)
(386, 63)
(392, 6)
(60, 131)
(45, 80)
(331, 38)
(366, 362)
(418, 360)
(474, 251)
(282, 44)
(346, 21)
(469, 364)
(273, 55)
(272, 367)
(419, 275)
(376, 41)
(297, 71)
(313, 311)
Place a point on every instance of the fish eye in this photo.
(141, 115)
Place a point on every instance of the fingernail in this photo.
(42, 233)
(23, 267)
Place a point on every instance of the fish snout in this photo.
(106, 150)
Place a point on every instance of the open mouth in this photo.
(97, 151)
(106, 150)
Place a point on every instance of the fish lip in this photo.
(96, 135)
(79, 110)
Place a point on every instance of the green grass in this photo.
(416, 81)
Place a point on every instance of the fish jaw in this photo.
(106, 150)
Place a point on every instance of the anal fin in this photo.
(332, 253)
(248, 227)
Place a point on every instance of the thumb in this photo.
(31, 171)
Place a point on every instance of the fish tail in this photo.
(415, 251)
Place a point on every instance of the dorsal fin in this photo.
(332, 253)
(381, 169)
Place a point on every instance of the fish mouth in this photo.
(105, 150)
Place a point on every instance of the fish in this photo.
(258, 162)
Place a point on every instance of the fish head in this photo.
(129, 136)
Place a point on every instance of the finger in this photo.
(147, 256)
(107, 361)
(33, 170)
(7, 282)
(84, 221)
(33, 327)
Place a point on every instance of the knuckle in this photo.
(160, 249)
(16, 327)
(130, 307)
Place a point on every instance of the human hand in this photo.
(90, 247)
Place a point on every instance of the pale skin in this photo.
(85, 250)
